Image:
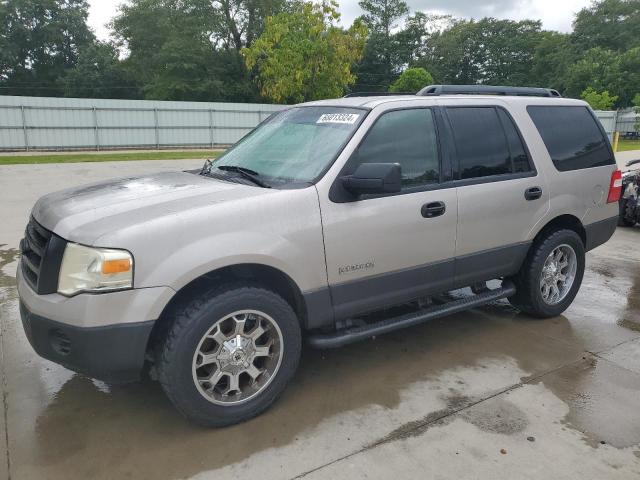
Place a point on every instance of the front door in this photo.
(381, 250)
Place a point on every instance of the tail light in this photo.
(615, 188)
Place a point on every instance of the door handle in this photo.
(433, 209)
(533, 193)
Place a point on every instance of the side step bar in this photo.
(354, 334)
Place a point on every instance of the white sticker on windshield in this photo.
(348, 118)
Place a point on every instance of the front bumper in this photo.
(100, 335)
(113, 353)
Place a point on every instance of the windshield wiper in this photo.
(244, 172)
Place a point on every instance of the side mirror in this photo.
(372, 178)
(632, 162)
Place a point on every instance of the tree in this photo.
(411, 80)
(608, 24)
(41, 41)
(173, 52)
(302, 55)
(99, 74)
(598, 100)
(417, 32)
(382, 58)
(487, 51)
(237, 23)
(551, 59)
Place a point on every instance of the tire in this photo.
(529, 297)
(623, 221)
(190, 338)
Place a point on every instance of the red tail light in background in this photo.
(615, 188)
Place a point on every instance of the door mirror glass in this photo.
(374, 178)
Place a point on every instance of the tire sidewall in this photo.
(186, 395)
(572, 239)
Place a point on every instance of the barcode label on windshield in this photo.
(348, 118)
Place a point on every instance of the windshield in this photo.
(295, 145)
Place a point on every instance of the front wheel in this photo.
(229, 354)
(551, 275)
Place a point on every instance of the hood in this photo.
(83, 214)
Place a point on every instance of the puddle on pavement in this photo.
(7, 257)
(603, 401)
(339, 402)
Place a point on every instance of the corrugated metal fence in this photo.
(618, 121)
(41, 123)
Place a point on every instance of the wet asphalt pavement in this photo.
(488, 393)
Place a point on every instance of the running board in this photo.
(354, 334)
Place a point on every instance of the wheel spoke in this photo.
(253, 371)
(257, 332)
(219, 337)
(240, 321)
(212, 379)
(263, 351)
(206, 359)
(234, 384)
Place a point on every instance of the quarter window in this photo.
(407, 137)
(519, 155)
(572, 137)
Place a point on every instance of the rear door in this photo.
(501, 196)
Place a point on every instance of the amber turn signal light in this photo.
(116, 266)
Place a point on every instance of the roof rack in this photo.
(375, 94)
(436, 90)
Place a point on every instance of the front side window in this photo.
(407, 137)
(572, 137)
(295, 145)
(481, 143)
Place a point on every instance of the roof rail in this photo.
(436, 90)
(375, 94)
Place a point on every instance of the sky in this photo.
(555, 14)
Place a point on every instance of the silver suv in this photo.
(313, 225)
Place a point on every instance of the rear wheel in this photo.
(551, 275)
(229, 354)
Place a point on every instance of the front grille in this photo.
(42, 253)
(33, 247)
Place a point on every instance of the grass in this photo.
(108, 157)
(626, 145)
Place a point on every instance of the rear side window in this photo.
(572, 137)
(487, 142)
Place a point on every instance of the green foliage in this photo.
(171, 53)
(192, 50)
(487, 51)
(608, 24)
(40, 40)
(98, 73)
(411, 80)
(383, 56)
(598, 100)
(302, 55)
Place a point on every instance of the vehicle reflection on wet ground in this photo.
(489, 391)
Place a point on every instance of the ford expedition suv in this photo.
(312, 227)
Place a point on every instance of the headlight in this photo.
(86, 269)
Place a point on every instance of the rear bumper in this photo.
(600, 232)
(113, 353)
